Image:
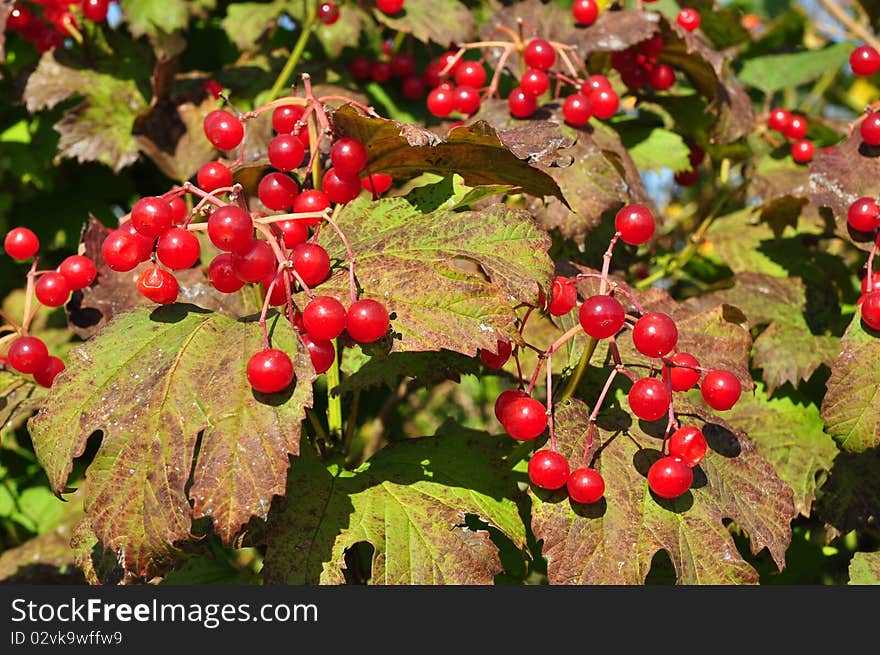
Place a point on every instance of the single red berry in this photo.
(367, 321)
(214, 175)
(121, 251)
(270, 371)
(403, 65)
(28, 355)
(285, 118)
(635, 78)
(539, 54)
(178, 210)
(863, 215)
(865, 61)
(79, 271)
(535, 82)
(871, 283)
(505, 398)
(470, 73)
(328, 13)
(359, 69)
(311, 262)
(682, 377)
(21, 243)
(655, 334)
(324, 317)
(178, 249)
(548, 470)
(524, 418)
(158, 285)
(689, 19)
(585, 485)
(649, 399)
(521, 104)
(321, 352)
(223, 130)
(377, 183)
(689, 445)
(605, 103)
(870, 129)
(669, 477)
(497, 361)
(390, 7)
(213, 87)
(309, 201)
(413, 87)
(255, 262)
(466, 100)
(585, 12)
(222, 274)
(431, 75)
(277, 191)
(441, 101)
(46, 376)
(340, 188)
(796, 127)
(653, 46)
(278, 292)
(624, 60)
(802, 151)
(779, 119)
(52, 289)
(286, 152)
(871, 310)
(635, 223)
(662, 77)
(564, 296)
(348, 156)
(720, 389)
(381, 71)
(230, 228)
(293, 232)
(577, 110)
(601, 316)
(151, 216)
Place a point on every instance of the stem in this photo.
(28, 313)
(298, 49)
(606, 263)
(352, 287)
(856, 29)
(550, 401)
(575, 379)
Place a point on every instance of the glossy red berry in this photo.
(214, 175)
(535, 82)
(864, 61)
(158, 285)
(649, 399)
(496, 361)
(390, 7)
(277, 191)
(311, 262)
(521, 104)
(539, 54)
(548, 470)
(377, 183)
(321, 352)
(870, 129)
(605, 103)
(585, 12)
(779, 119)
(577, 110)
(222, 274)
(601, 316)
(635, 223)
(79, 271)
(662, 77)
(46, 376)
(151, 216)
(293, 232)
(669, 477)
(720, 389)
(285, 118)
(466, 100)
(328, 13)
(681, 376)
(230, 228)
(367, 321)
(52, 289)
(802, 151)
(349, 156)
(863, 215)
(413, 87)
(524, 418)
(277, 292)
(689, 19)
(28, 355)
(470, 73)
(95, 10)
(312, 200)
(655, 334)
(121, 251)
(340, 188)
(505, 398)
(689, 445)
(255, 262)
(21, 243)
(178, 210)
(870, 308)
(270, 371)
(223, 130)
(563, 298)
(381, 71)
(796, 127)
(286, 152)
(441, 101)
(324, 317)
(403, 65)
(585, 486)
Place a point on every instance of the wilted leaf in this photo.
(776, 72)
(864, 569)
(614, 540)
(409, 502)
(152, 384)
(440, 21)
(421, 266)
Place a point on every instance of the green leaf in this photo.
(776, 72)
(614, 540)
(450, 192)
(790, 436)
(427, 368)
(151, 384)
(154, 17)
(449, 278)
(440, 21)
(410, 502)
(864, 569)
(344, 33)
(851, 406)
(245, 22)
(654, 148)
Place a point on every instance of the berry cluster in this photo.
(275, 250)
(45, 23)
(401, 67)
(602, 316)
(28, 354)
(863, 216)
(638, 65)
(794, 127)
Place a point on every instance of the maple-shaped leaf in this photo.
(409, 501)
(790, 436)
(474, 151)
(440, 21)
(246, 22)
(158, 17)
(160, 387)
(786, 350)
(614, 540)
(841, 175)
(450, 279)
(851, 405)
(864, 569)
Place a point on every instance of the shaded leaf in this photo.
(20, 397)
(450, 193)
(615, 540)
(152, 384)
(864, 569)
(773, 73)
(850, 499)
(427, 368)
(440, 21)
(410, 502)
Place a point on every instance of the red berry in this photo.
(178, 210)
(870, 129)
(539, 54)
(624, 60)
(389, 7)
(605, 103)
(270, 371)
(655, 334)
(222, 274)
(52, 289)
(802, 151)
(340, 188)
(255, 262)
(681, 377)
(321, 352)
(670, 477)
(285, 118)
(653, 46)
(431, 75)
(311, 262)
(214, 175)
(441, 102)
(585, 12)
(286, 152)
(687, 178)
(324, 317)
(277, 191)
(524, 418)
(796, 127)
(865, 61)
(497, 361)
(595, 83)
(689, 19)
(871, 310)
(381, 71)
(230, 228)
(46, 376)
(349, 156)
(601, 316)
(151, 216)
(223, 130)
(564, 296)
(413, 87)
(158, 285)
(779, 120)
(359, 68)
(871, 282)
(720, 389)
(28, 355)
(79, 271)
(521, 104)
(403, 65)
(577, 110)
(689, 445)
(505, 398)
(466, 100)
(367, 321)
(470, 73)
(548, 470)
(649, 399)
(95, 10)
(585, 485)
(863, 215)
(377, 183)
(535, 81)
(293, 232)
(635, 224)
(21, 243)
(213, 87)
(328, 13)
(121, 251)
(662, 77)
(278, 294)
(309, 201)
